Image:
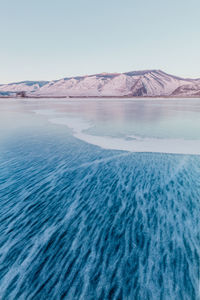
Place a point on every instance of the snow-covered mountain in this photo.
(130, 84)
(23, 86)
(192, 89)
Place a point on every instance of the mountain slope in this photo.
(188, 89)
(132, 84)
(26, 86)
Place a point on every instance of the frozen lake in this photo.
(143, 125)
(100, 199)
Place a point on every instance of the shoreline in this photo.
(101, 97)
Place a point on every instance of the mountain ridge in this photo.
(142, 83)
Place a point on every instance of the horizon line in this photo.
(102, 73)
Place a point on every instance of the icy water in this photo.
(82, 219)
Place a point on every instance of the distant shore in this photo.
(101, 97)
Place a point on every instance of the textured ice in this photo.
(80, 222)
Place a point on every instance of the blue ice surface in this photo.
(80, 222)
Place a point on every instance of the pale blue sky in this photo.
(46, 39)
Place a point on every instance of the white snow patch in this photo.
(136, 144)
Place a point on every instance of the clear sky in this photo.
(51, 39)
